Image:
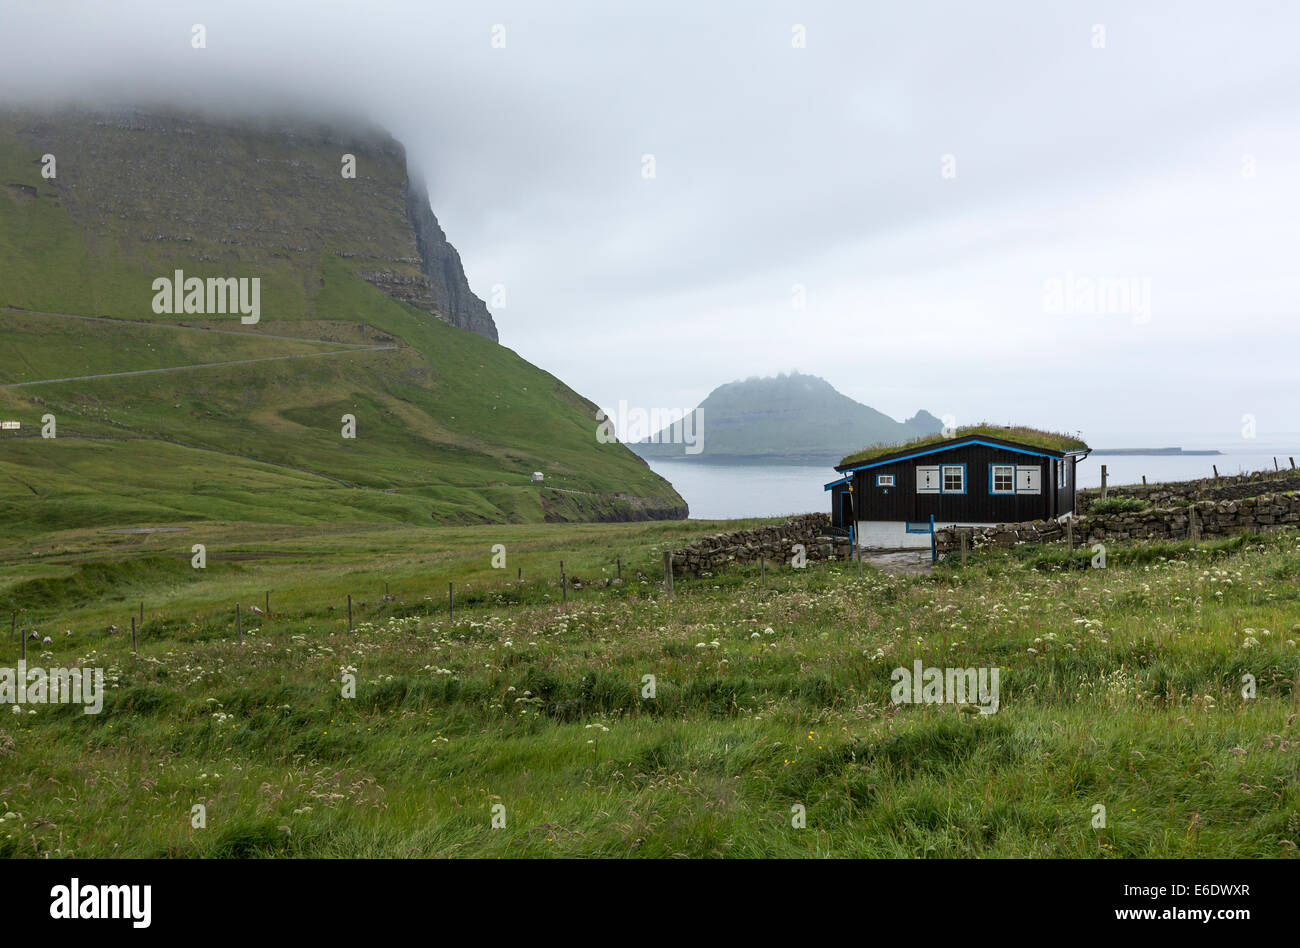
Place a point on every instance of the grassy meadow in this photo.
(1120, 688)
(743, 715)
(449, 425)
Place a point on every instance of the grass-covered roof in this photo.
(1030, 437)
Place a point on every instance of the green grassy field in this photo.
(449, 425)
(1120, 688)
(406, 730)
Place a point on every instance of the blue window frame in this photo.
(941, 479)
(915, 526)
(1002, 478)
(952, 478)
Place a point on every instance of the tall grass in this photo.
(1121, 688)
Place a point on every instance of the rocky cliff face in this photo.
(440, 264)
(172, 189)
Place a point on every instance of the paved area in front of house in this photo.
(899, 561)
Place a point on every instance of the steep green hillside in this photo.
(225, 421)
(787, 417)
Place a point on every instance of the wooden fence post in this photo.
(1216, 471)
(239, 622)
(349, 612)
(620, 567)
(963, 548)
(1069, 532)
(451, 603)
(668, 573)
(1144, 480)
(268, 603)
(133, 633)
(564, 587)
(142, 612)
(13, 626)
(1103, 482)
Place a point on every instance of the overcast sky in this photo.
(924, 171)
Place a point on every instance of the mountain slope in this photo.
(166, 190)
(783, 418)
(449, 425)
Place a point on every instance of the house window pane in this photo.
(1004, 479)
(954, 479)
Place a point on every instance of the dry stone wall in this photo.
(775, 542)
(1190, 521)
(1233, 487)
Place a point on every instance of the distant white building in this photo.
(537, 477)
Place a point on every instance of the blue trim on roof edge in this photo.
(949, 447)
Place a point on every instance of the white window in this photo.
(1029, 480)
(1002, 479)
(954, 478)
(1060, 474)
(884, 480)
(927, 480)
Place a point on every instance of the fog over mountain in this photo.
(883, 195)
(792, 417)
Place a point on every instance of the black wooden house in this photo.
(893, 498)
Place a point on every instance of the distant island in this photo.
(1154, 452)
(793, 418)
